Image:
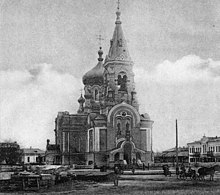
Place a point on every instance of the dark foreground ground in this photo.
(135, 185)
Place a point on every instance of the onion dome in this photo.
(81, 99)
(95, 75)
(145, 116)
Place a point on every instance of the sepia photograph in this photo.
(110, 97)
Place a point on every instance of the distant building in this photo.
(169, 156)
(9, 145)
(10, 153)
(52, 154)
(32, 155)
(205, 150)
(108, 126)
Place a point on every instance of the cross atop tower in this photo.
(99, 37)
(118, 2)
(81, 90)
(118, 13)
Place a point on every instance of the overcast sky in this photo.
(47, 45)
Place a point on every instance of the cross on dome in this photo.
(99, 37)
(118, 2)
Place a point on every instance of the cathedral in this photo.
(107, 127)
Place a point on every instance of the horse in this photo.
(203, 171)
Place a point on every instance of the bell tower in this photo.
(118, 70)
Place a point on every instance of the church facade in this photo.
(107, 126)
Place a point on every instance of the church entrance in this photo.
(127, 153)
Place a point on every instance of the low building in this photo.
(205, 150)
(169, 156)
(33, 155)
(52, 154)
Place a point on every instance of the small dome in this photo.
(95, 75)
(100, 52)
(81, 99)
(146, 116)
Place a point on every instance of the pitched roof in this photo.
(214, 139)
(182, 153)
(195, 142)
(33, 151)
(180, 149)
(206, 139)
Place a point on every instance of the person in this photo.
(117, 172)
(166, 170)
(189, 169)
(143, 166)
(183, 169)
(133, 165)
(133, 169)
(177, 171)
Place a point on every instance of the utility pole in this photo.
(69, 146)
(177, 161)
(94, 146)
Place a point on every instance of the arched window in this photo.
(90, 141)
(96, 95)
(116, 157)
(120, 42)
(75, 147)
(103, 139)
(119, 128)
(127, 132)
(122, 82)
(127, 126)
(80, 144)
(111, 42)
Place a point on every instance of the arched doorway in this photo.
(116, 157)
(138, 156)
(127, 152)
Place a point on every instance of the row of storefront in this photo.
(207, 149)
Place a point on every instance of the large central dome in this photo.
(95, 75)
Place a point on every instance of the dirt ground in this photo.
(135, 185)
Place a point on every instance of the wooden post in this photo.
(23, 184)
(177, 160)
(94, 146)
(38, 184)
